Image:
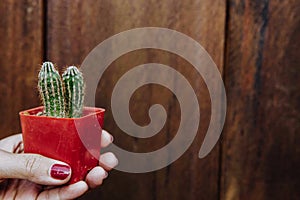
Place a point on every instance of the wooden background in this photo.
(255, 44)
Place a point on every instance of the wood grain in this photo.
(260, 146)
(76, 28)
(20, 56)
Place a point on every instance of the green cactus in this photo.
(50, 88)
(61, 99)
(73, 92)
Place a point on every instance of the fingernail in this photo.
(59, 171)
(106, 175)
(111, 138)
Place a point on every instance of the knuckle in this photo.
(32, 164)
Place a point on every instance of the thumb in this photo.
(33, 167)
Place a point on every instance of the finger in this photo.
(106, 139)
(95, 177)
(26, 190)
(10, 143)
(108, 161)
(33, 167)
(67, 192)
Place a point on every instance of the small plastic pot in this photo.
(76, 141)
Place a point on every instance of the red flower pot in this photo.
(76, 141)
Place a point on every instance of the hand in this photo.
(27, 176)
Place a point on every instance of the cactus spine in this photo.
(50, 88)
(61, 98)
(73, 92)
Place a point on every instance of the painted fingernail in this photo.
(59, 171)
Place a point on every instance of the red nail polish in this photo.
(59, 171)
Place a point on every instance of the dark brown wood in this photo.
(259, 148)
(260, 145)
(74, 29)
(20, 57)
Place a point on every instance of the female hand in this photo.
(32, 176)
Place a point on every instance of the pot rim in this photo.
(90, 112)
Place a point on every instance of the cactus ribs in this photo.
(62, 98)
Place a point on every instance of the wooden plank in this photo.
(20, 57)
(260, 143)
(76, 28)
